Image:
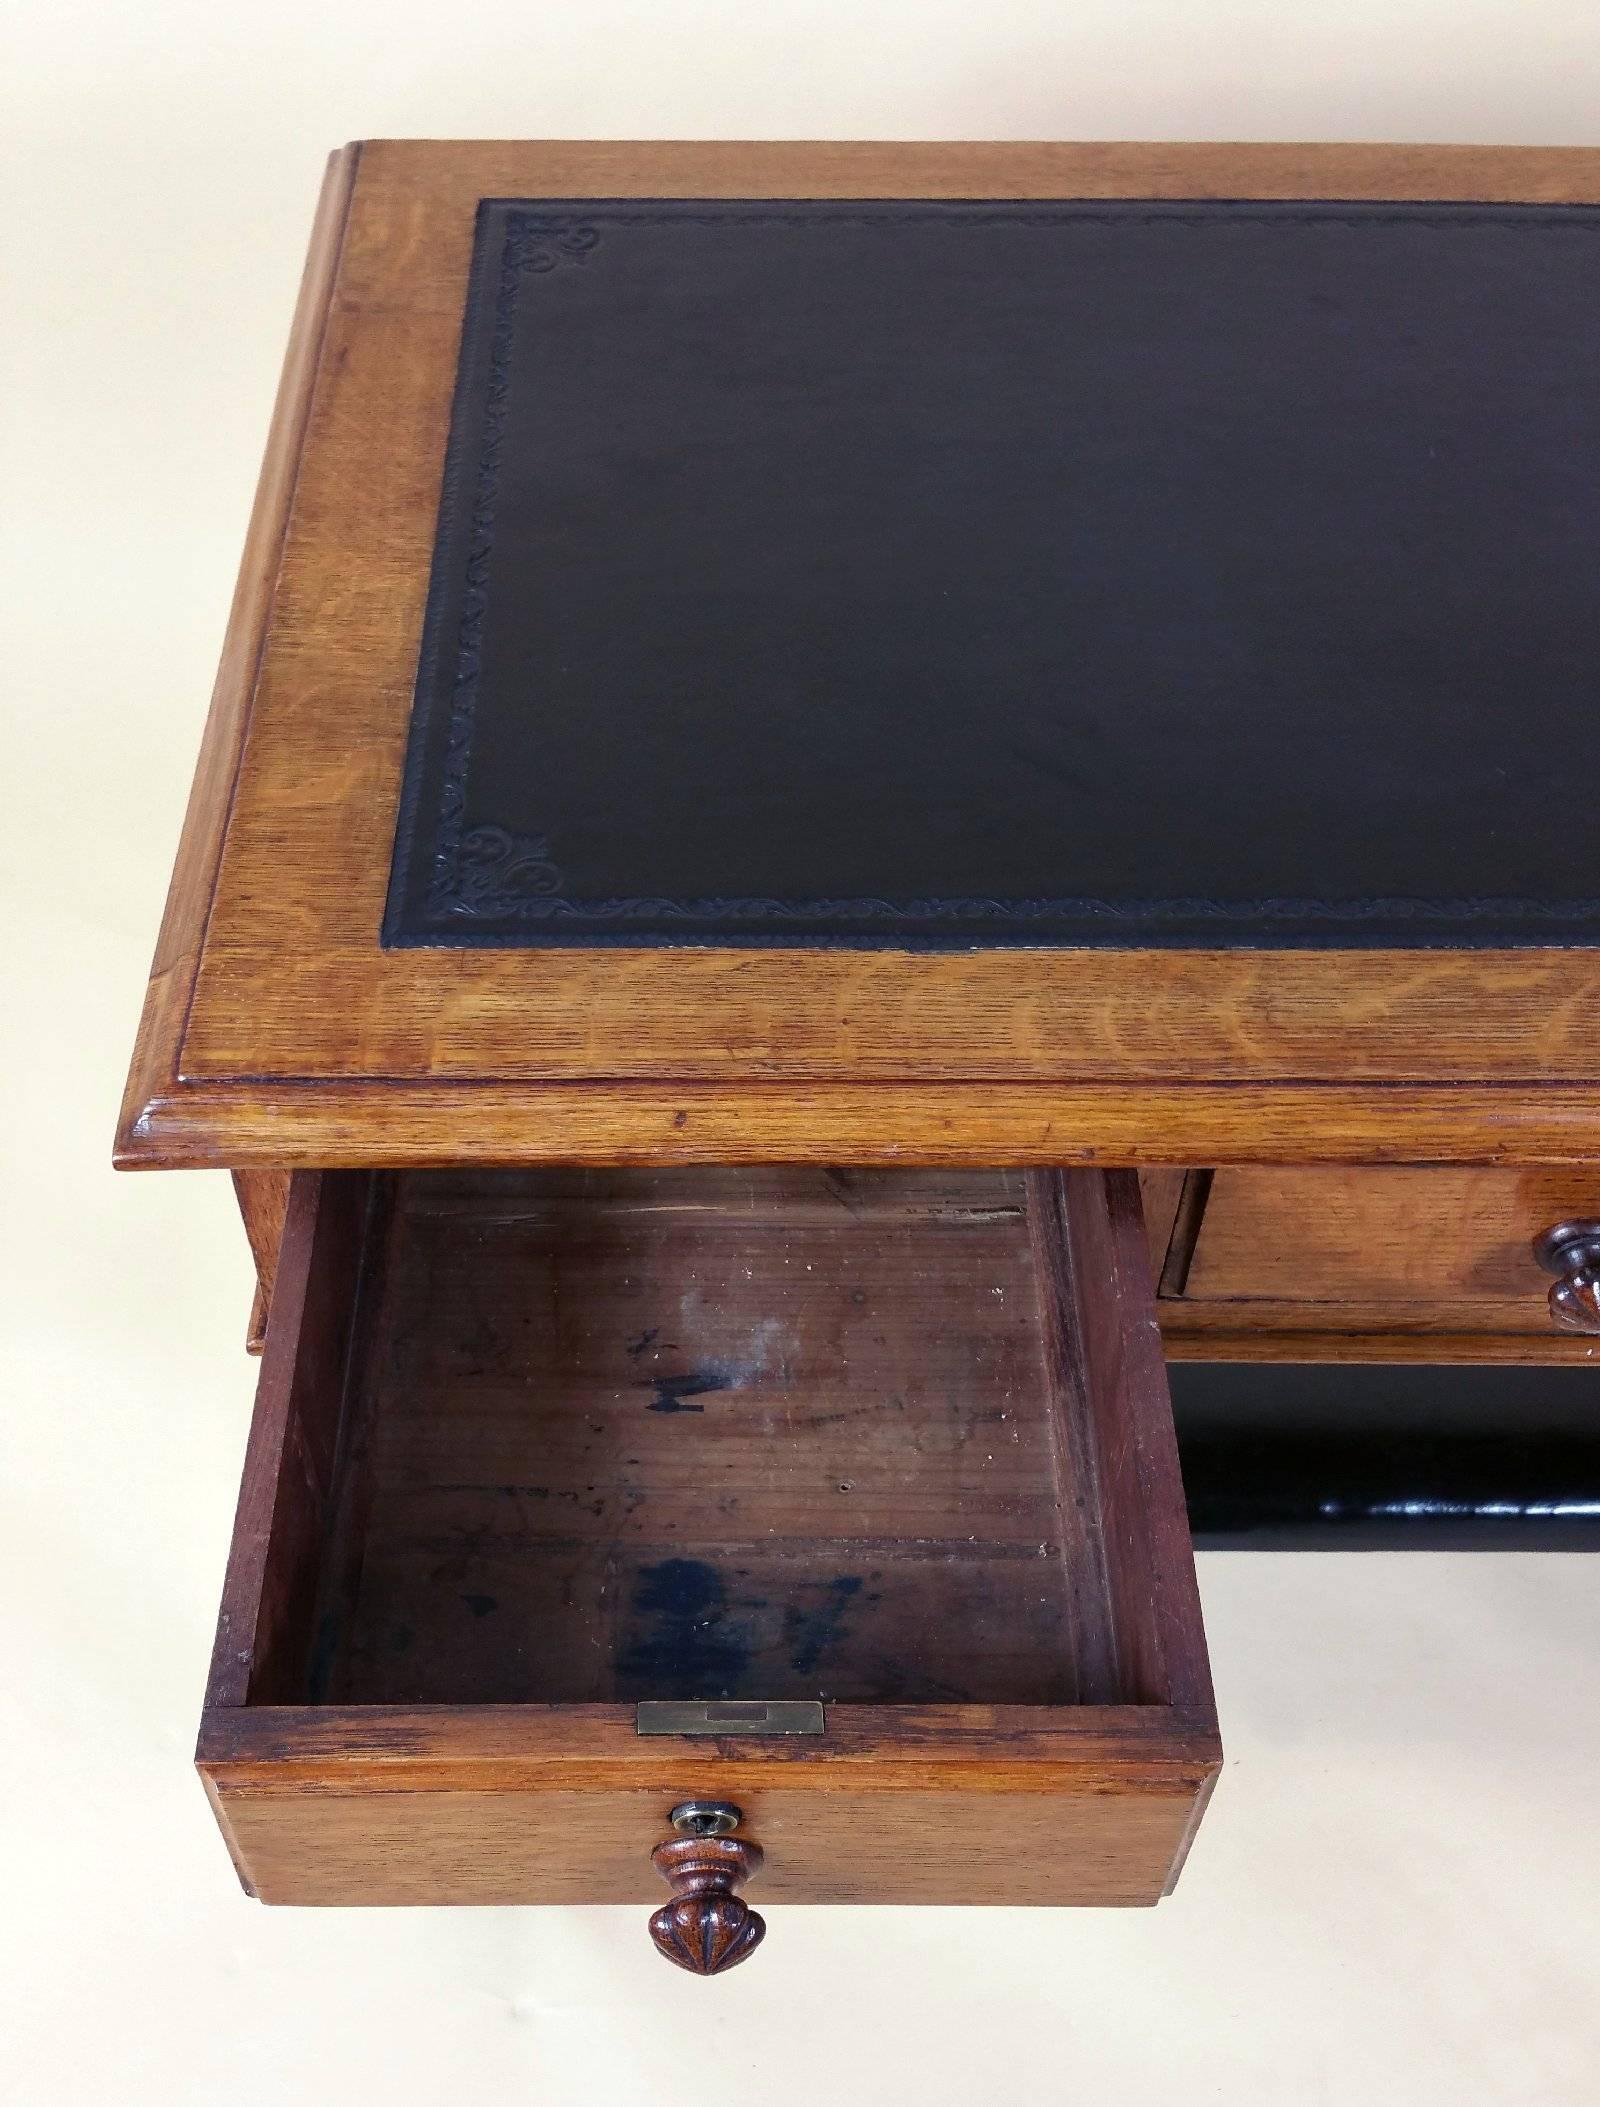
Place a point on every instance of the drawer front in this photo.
(477, 1461)
(1105, 1817)
(1433, 1263)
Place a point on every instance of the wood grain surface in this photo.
(527, 1803)
(957, 1848)
(1436, 1236)
(308, 1126)
(279, 1033)
(1377, 1264)
(263, 1198)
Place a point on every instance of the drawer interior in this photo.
(593, 1438)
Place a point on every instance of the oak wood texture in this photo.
(1376, 1264)
(517, 1805)
(262, 1196)
(278, 1033)
(1057, 1827)
(1024, 1644)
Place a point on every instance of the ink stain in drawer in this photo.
(672, 1392)
(807, 1634)
(684, 1643)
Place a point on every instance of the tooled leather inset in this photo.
(491, 872)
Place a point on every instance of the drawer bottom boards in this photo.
(533, 1448)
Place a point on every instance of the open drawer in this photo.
(884, 1453)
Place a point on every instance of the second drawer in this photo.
(1377, 1263)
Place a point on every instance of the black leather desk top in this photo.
(922, 574)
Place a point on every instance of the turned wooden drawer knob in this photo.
(1571, 1250)
(706, 1927)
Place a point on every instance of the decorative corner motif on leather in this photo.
(542, 244)
(495, 869)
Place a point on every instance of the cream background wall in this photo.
(1395, 1896)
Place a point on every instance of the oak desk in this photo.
(853, 787)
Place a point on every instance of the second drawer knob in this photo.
(1571, 1251)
